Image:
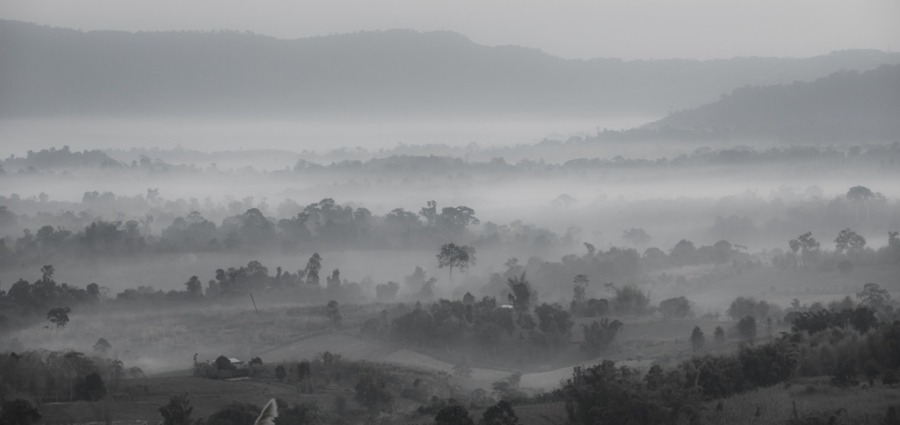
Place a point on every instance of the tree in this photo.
(19, 412)
(102, 346)
(280, 373)
(807, 245)
(194, 287)
(90, 388)
(333, 313)
(453, 414)
(697, 339)
(520, 297)
(372, 393)
(177, 411)
(860, 195)
(599, 335)
(849, 240)
(59, 316)
(874, 296)
(457, 256)
(683, 252)
(747, 328)
(636, 236)
(719, 335)
(675, 308)
(455, 219)
(386, 291)
(500, 414)
(235, 414)
(312, 269)
(223, 363)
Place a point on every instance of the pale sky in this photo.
(629, 29)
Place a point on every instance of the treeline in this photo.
(850, 249)
(54, 376)
(324, 224)
(611, 393)
(448, 162)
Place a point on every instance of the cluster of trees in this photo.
(608, 393)
(522, 328)
(46, 376)
(324, 223)
(496, 329)
(849, 250)
(449, 162)
(45, 298)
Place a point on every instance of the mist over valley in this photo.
(399, 226)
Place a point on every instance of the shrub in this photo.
(676, 308)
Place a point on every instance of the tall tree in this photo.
(455, 256)
(312, 269)
(697, 339)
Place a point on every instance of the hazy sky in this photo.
(629, 29)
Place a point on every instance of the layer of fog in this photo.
(212, 135)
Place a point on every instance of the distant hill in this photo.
(846, 105)
(54, 72)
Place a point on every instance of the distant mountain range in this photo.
(846, 105)
(48, 72)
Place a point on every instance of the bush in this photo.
(453, 414)
(631, 300)
(235, 414)
(178, 411)
(742, 307)
(19, 412)
(90, 388)
(675, 308)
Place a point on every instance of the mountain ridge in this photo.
(65, 72)
(847, 105)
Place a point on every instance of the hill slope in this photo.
(50, 71)
(846, 105)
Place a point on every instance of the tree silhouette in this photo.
(500, 414)
(453, 414)
(747, 328)
(520, 297)
(452, 255)
(59, 316)
(333, 313)
(849, 240)
(177, 411)
(312, 269)
(697, 339)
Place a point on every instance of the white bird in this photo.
(268, 414)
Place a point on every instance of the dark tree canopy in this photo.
(177, 411)
(18, 412)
